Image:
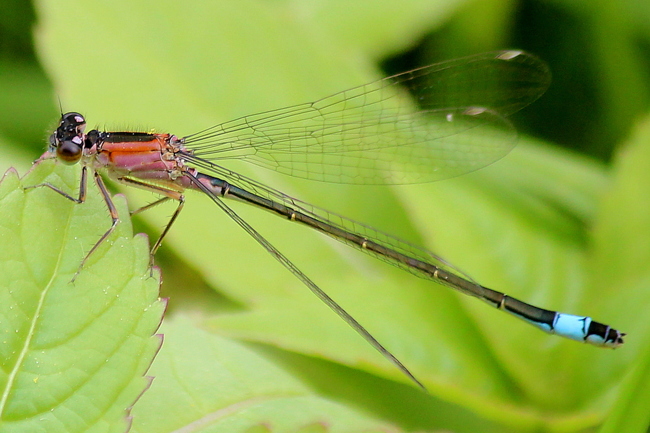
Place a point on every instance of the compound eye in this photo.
(72, 123)
(69, 152)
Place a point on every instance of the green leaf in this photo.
(74, 354)
(354, 24)
(621, 260)
(225, 387)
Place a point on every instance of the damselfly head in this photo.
(67, 141)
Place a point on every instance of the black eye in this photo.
(72, 124)
(68, 152)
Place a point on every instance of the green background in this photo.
(247, 348)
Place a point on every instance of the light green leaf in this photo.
(621, 260)
(223, 386)
(74, 354)
(355, 24)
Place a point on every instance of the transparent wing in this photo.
(332, 219)
(455, 123)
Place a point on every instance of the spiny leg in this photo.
(82, 187)
(81, 199)
(150, 205)
(114, 216)
(170, 194)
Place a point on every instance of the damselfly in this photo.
(371, 134)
